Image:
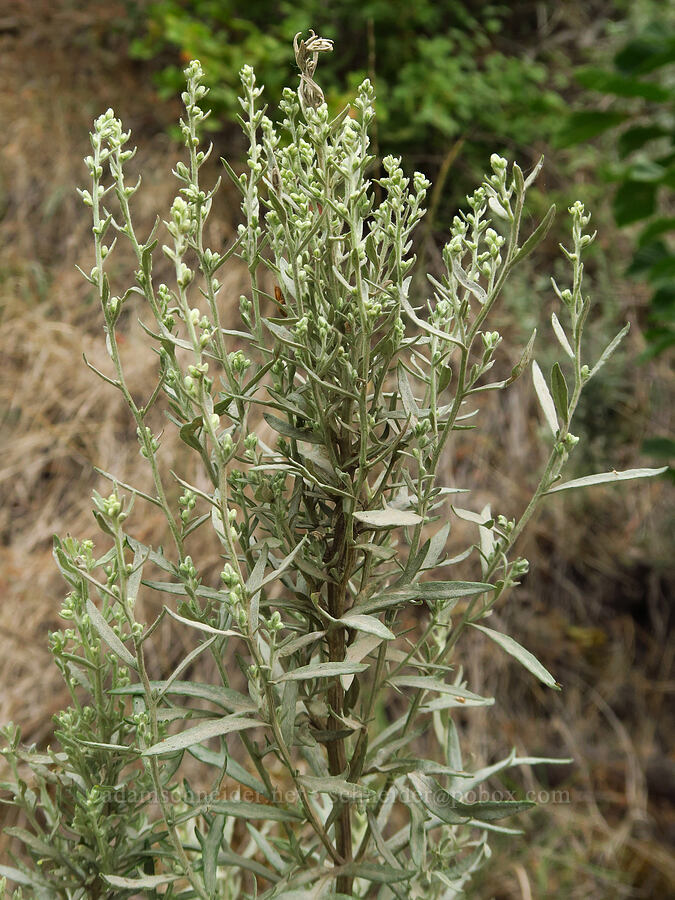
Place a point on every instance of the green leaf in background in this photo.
(584, 125)
(633, 201)
(634, 138)
(621, 85)
(657, 227)
(649, 51)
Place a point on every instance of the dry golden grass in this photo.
(594, 609)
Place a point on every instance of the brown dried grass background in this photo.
(595, 608)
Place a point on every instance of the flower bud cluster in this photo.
(238, 362)
(111, 507)
(149, 443)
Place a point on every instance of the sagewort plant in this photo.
(328, 534)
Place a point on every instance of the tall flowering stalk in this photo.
(327, 533)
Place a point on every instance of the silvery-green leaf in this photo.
(469, 516)
(241, 809)
(255, 580)
(429, 683)
(287, 712)
(368, 624)
(201, 626)
(562, 337)
(536, 237)
(210, 847)
(560, 393)
(474, 287)
(16, 875)
(497, 208)
(108, 635)
(544, 397)
(266, 848)
(147, 882)
(291, 431)
(335, 787)
(227, 698)
(607, 478)
(436, 546)
(407, 399)
(357, 651)
(486, 538)
(388, 518)
(534, 173)
(609, 349)
(384, 850)
(448, 590)
(453, 811)
(418, 837)
(322, 670)
(523, 656)
(290, 646)
(202, 732)
(377, 550)
(375, 872)
(524, 361)
(283, 565)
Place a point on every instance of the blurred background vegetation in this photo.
(588, 83)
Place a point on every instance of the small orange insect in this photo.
(279, 297)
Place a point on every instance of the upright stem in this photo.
(337, 756)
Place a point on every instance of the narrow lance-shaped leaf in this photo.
(367, 624)
(447, 590)
(144, 882)
(109, 636)
(335, 787)
(524, 361)
(287, 712)
(242, 809)
(205, 731)
(607, 478)
(536, 237)
(562, 337)
(523, 656)
(609, 349)
(560, 393)
(253, 588)
(210, 847)
(544, 397)
(388, 518)
(454, 811)
(291, 431)
(323, 670)
(407, 398)
(227, 698)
